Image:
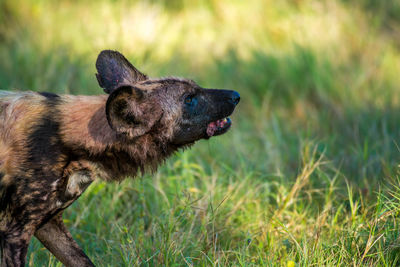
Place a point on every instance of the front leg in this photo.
(53, 234)
(56, 238)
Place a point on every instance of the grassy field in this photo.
(309, 174)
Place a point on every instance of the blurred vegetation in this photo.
(309, 172)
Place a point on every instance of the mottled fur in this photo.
(53, 146)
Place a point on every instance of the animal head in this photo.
(179, 110)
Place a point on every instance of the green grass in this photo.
(308, 175)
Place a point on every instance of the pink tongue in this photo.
(214, 126)
(211, 128)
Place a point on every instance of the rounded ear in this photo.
(129, 111)
(114, 70)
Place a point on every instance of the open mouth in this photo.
(218, 127)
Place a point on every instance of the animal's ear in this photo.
(130, 112)
(115, 70)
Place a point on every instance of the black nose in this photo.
(235, 98)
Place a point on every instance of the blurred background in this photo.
(308, 174)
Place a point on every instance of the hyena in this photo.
(53, 146)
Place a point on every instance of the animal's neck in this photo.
(84, 124)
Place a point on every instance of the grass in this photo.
(309, 173)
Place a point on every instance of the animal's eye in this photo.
(189, 100)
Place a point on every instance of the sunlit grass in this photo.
(308, 174)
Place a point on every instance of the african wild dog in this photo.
(53, 146)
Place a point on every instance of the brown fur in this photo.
(52, 147)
